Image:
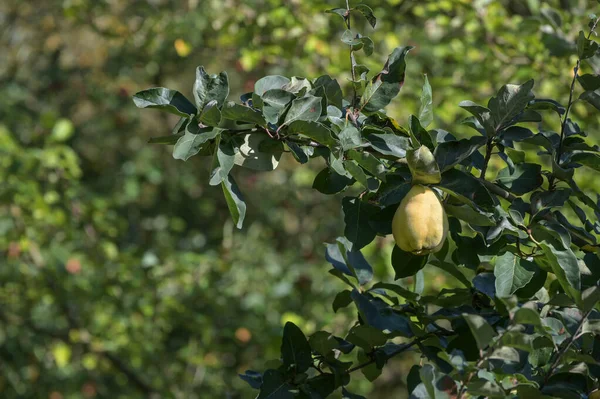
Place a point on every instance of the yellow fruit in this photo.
(420, 224)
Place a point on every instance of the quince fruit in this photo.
(420, 224)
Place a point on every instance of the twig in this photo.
(352, 59)
(488, 154)
(565, 348)
(551, 181)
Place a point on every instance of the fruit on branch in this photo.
(420, 224)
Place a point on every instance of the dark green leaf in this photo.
(406, 264)
(483, 115)
(512, 273)
(329, 182)
(368, 13)
(295, 350)
(592, 97)
(386, 85)
(526, 177)
(591, 160)
(253, 378)
(275, 386)
(366, 337)
(451, 153)
(589, 82)
(586, 48)
(510, 101)
(381, 316)
(341, 300)
(356, 217)
(466, 188)
(169, 100)
(357, 173)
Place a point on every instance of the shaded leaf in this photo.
(169, 100)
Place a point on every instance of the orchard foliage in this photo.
(524, 319)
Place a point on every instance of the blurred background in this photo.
(121, 274)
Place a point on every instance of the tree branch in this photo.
(565, 348)
(402, 349)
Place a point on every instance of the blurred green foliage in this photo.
(121, 274)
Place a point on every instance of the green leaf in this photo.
(268, 83)
(451, 153)
(241, 113)
(313, 130)
(367, 12)
(589, 82)
(295, 350)
(169, 100)
(563, 264)
(451, 269)
(386, 85)
(483, 115)
(390, 144)
(406, 264)
(510, 101)
(435, 384)
(524, 178)
(350, 137)
(586, 48)
(369, 162)
(209, 88)
(512, 273)
(329, 182)
(275, 386)
(366, 337)
(482, 331)
(473, 216)
(356, 216)
(190, 143)
(307, 108)
(426, 108)
(223, 162)
(380, 316)
(423, 166)
(235, 201)
(341, 300)
(592, 97)
(401, 291)
(258, 151)
(358, 173)
(591, 160)
(333, 91)
(467, 188)
(253, 378)
(211, 114)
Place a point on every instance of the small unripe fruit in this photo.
(420, 224)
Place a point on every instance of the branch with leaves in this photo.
(521, 265)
